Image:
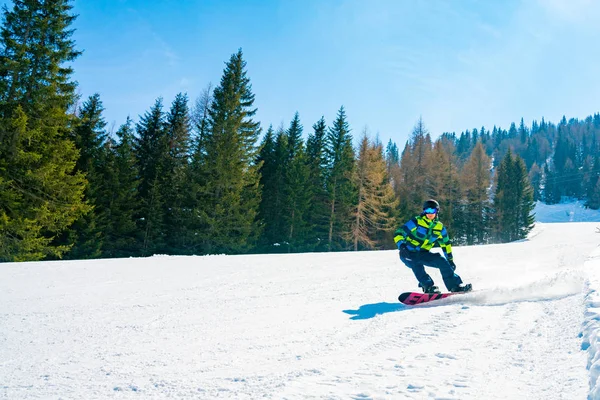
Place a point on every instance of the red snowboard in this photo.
(414, 298)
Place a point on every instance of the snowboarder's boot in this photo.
(462, 288)
(431, 290)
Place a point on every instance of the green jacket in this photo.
(422, 234)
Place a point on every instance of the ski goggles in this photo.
(430, 211)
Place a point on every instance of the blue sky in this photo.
(458, 64)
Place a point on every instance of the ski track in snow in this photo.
(311, 326)
(591, 325)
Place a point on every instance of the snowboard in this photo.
(414, 298)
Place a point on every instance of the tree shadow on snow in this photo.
(367, 311)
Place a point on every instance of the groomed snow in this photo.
(591, 324)
(569, 211)
(321, 326)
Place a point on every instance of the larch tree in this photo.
(375, 203)
(443, 183)
(415, 171)
(475, 183)
(404, 184)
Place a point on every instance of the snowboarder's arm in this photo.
(403, 232)
(446, 244)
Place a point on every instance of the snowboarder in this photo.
(414, 240)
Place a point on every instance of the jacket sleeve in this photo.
(401, 234)
(446, 244)
(404, 231)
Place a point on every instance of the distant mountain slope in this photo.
(573, 211)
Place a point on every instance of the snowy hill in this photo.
(323, 326)
(572, 211)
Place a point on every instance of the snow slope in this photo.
(591, 324)
(316, 326)
(569, 211)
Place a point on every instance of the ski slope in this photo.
(569, 211)
(308, 326)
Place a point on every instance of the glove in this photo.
(451, 262)
(404, 252)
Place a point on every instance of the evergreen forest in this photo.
(202, 175)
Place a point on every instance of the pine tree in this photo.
(551, 192)
(267, 162)
(464, 146)
(90, 138)
(196, 178)
(563, 162)
(485, 137)
(272, 159)
(513, 201)
(340, 188)
(178, 131)
(593, 201)
(523, 132)
(297, 193)
(89, 134)
(375, 204)
(230, 198)
(532, 151)
(392, 157)
(504, 202)
(525, 203)
(200, 123)
(318, 215)
(592, 187)
(512, 131)
(151, 150)
(474, 137)
(40, 195)
(535, 177)
(122, 237)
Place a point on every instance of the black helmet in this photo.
(431, 204)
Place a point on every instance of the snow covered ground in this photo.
(315, 326)
(570, 211)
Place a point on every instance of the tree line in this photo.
(205, 178)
